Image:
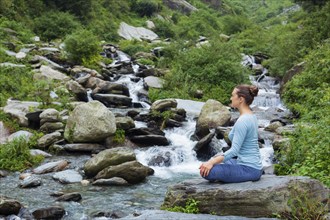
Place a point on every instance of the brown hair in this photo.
(248, 92)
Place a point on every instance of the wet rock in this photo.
(68, 176)
(49, 127)
(107, 158)
(213, 114)
(115, 181)
(204, 142)
(49, 139)
(24, 214)
(133, 172)
(9, 206)
(111, 87)
(281, 143)
(76, 197)
(163, 105)
(52, 212)
(251, 199)
(31, 181)
(3, 173)
(84, 147)
(90, 122)
(125, 123)
(273, 126)
(150, 140)
(170, 123)
(144, 131)
(35, 152)
(113, 100)
(51, 167)
(20, 134)
(162, 159)
(112, 215)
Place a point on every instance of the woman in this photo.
(244, 138)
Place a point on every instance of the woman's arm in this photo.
(205, 168)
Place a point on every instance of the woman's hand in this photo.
(205, 168)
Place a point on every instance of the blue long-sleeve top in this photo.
(244, 138)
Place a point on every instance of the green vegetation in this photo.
(119, 136)
(82, 47)
(18, 83)
(214, 69)
(15, 155)
(303, 207)
(308, 95)
(190, 207)
(55, 25)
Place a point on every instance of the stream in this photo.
(124, 200)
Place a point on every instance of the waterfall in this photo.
(179, 155)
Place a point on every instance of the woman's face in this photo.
(235, 100)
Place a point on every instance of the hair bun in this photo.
(253, 90)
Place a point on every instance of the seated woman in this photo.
(244, 137)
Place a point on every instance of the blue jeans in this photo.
(231, 172)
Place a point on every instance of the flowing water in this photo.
(182, 163)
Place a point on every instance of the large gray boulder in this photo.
(180, 5)
(213, 114)
(269, 195)
(18, 110)
(129, 32)
(90, 122)
(107, 158)
(48, 73)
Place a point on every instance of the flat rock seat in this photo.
(262, 198)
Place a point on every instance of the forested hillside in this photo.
(285, 32)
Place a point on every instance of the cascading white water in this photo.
(182, 158)
(133, 87)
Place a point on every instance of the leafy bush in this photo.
(145, 7)
(235, 24)
(18, 83)
(210, 68)
(308, 94)
(164, 29)
(15, 156)
(82, 45)
(54, 25)
(15, 82)
(309, 91)
(21, 33)
(197, 24)
(131, 47)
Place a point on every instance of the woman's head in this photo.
(247, 92)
